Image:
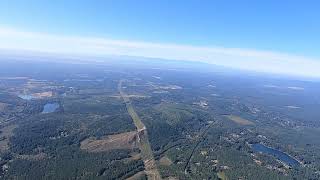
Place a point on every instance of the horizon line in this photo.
(244, 59)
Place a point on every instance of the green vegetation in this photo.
(143, 141)
(176, 127)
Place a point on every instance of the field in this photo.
(165, 161)
(118, 141)
(239, 120)
(222, 175)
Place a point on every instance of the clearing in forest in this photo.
(165, 161)
(222, 175)
(239, 120)
(125, 140)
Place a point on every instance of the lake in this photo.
(50, 107)
(276, 153)
(26, 96)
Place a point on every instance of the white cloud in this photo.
(262, 61)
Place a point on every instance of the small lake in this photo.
(278, 154)
(26, 96)
(50, 107)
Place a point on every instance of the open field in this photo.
(118, 141)
(165, 161)
(239, 120)
(43, 94)
(222, 175)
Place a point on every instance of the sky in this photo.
(268, 36)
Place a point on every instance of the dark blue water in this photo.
(50, 107)
(278, 154)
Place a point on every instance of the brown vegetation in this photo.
(165, 161)
(43, 94)
(125, 140)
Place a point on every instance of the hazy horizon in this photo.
(268, 37)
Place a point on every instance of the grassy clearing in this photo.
(118, 141)
(165, 161)
(222, 175)
(239, 120)
(43, 94)
(174, 113)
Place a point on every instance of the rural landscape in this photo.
(146, 121)
(159, 90)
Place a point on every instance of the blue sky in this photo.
(281, 28)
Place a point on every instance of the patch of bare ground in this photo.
(135, 156)
(239, 120)
(6, 133)
(222, 175)
(165, 161)
(125, 140)
(137, 176)
(43, 94)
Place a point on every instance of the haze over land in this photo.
(159, 90)
(245, 59)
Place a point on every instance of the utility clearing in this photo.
(142, 138)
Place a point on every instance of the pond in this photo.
(50, 107)
(26, 96)
(276, 153)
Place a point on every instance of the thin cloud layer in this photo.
(261, 61)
